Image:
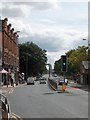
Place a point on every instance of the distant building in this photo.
(9, 47)
(84, 72)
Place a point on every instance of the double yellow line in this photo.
(16, 117)
(52, 86)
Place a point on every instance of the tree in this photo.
(32, 59)
(75, 58)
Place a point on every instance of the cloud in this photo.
(50, 32)
(44, 1)
(13, 7)
(24, 9)
(44, 5)
(52, 38)
(9, 12)
(12, 10)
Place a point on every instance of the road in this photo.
(38, 101)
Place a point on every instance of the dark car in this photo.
(30, 81)
(37, 78)
(42, 80)
(54, 75)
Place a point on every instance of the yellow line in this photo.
(52, 86)
(16, 116)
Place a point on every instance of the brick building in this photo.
(9, 48)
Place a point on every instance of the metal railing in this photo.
(5, 108)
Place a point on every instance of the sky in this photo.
(54, 25)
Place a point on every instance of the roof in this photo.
(86, 64)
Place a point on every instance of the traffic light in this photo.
(63, 63)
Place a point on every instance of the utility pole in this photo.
(26, 66)
(50, 67)
(27, 55)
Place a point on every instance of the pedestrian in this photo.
(12, 83)
(12, 78)
(7, 81)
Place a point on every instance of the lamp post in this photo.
(17, 64)
(88, 49)
(50, 69)
(27, 55)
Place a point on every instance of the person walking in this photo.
(12, 79)
(12, 83)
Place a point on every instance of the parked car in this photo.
(54, 75)
(42, 80)
(37, 78)
(61, 81)
(30, 81)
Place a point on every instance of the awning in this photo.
(3, 71)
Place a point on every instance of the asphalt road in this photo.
(38, 101)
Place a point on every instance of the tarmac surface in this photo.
(8, 90)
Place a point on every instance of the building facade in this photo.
(85, 73)
(10, 48)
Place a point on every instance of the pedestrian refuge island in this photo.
(53, 83)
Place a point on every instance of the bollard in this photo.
(63, 87)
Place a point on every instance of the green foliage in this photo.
(75, 58)
(32, 59)
(57, 67)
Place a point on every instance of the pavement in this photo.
(7, 90)
(79, 86)
(10, 89)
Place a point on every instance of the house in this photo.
(85, 68)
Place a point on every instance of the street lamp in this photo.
(27, 55)
(88, 49)
(50, 69)
(17, 63)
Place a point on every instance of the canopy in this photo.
(3, 71)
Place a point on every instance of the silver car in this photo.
(30, 81)
(43, 80)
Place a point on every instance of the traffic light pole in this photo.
(64, 69)
(64, 76)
